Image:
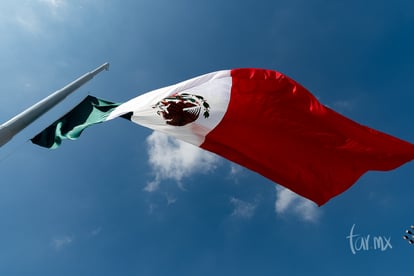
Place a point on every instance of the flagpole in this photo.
(22, 120)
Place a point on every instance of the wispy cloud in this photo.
(96, 231)
(236, 171)
(61, 242)
(53, 3)
(37, 17)
(242, 209)
(344, 106)
(289, 203)
(29, 21)
(153, 185)
(55, 8)
(172, 159)
(170, 199)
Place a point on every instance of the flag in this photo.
(267, 122)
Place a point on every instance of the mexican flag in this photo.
(260, 119)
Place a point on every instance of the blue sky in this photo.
(123, 200)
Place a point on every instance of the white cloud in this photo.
(287, 202)
(61, 242)
(152, 186)
(172, 159)
(242, 209)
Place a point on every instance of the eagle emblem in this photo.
(180, 109)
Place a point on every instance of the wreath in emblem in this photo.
(182, 108)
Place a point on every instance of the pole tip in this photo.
(104, 66)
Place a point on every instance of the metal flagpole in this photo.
(22, 120)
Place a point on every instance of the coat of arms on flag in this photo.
(182, 108)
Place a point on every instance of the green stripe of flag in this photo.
(70, 126)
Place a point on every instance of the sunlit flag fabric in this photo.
(262, 120)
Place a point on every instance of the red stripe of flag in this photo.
(275, 127)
